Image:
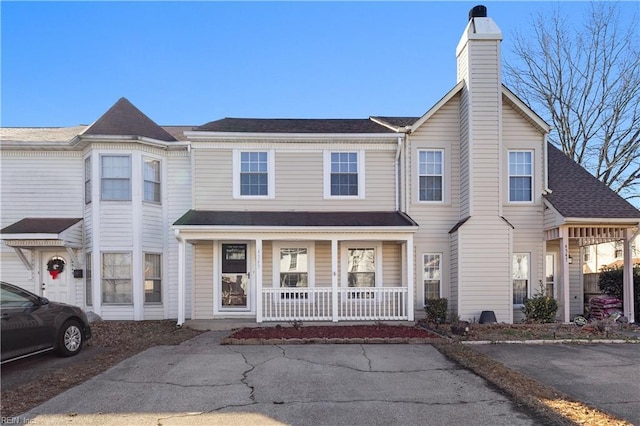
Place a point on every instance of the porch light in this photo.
(570, 259)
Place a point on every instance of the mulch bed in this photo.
(361, 334)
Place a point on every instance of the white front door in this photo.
(55, 275)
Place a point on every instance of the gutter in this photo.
(396, 168)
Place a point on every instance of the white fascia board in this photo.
(293, 233)
(31, 237)
(193, 135)
(125, 138)
(601, 221)
(437, 106)
(542, 125)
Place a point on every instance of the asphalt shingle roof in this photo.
(40, 225)
(294, 125)
(288, 218)
(123, 118)
(578, 194)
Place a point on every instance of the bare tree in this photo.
(585, 82)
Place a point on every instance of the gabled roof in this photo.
(295, 219)
(293, 125)
(578, 194)
(40, 225)
(124, 119)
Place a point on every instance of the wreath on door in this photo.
(55, 266)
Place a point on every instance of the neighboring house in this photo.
(596, 256)
(310, 219)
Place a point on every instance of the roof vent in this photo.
(478, 11)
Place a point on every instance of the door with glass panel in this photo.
(234, 286)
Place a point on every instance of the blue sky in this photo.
(66, 63)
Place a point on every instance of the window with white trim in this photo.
(87, 180)
(152, 278)
(151, 171)
(550, 275)
(88, 279)
(116, 278)
(430, 174)
(520, 176)
(116, 177)
(344, 174)
(294, 267)
(253, 174)
(432, 275)
(520, 276)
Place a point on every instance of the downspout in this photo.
(397, 170)
(545, 150)
(181, 277)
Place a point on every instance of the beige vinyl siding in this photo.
(484, 280)
(465, 165)
(299, 181)
(267, 263)
(391, 264)
(323, 263)
(203, 297)
(486, 102)
(453, 273)
(178, 202)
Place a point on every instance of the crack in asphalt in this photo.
(326, 364)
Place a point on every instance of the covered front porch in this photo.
(568, 241)
(297, 266)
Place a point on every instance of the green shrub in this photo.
(541, 308)
(610, 283)
(436, 309)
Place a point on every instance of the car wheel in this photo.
(71, 338)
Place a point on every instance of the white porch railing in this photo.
(353, 304)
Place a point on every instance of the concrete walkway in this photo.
(202, 382)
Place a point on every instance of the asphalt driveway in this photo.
(202, 382)
(604, 376)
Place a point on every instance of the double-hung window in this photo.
(87, 180)
(344, 174)
(116, 278)
(151, 180)
(430, 165)
(361, 264)
(520, 276)
(253, 174)
(116, 177)
(432, 276)
(520, 176)
(152, 278)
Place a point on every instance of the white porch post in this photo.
(334, 280)
(564, 269)
(410, 280)
(181, 277)
(258, 285)
(627, 278)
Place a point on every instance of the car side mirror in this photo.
(43, 300)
